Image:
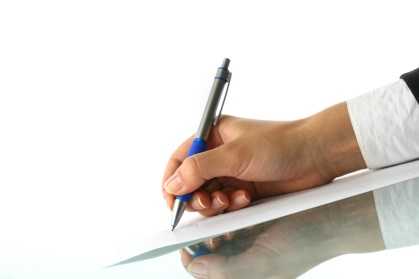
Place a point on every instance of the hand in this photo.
(290, 246)
(250, 159)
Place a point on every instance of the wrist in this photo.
(332, 142)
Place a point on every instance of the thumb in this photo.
(197, 169)
(210, 266)
(250, 264)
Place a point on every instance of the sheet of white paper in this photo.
(202, 228)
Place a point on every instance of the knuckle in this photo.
(240, 162)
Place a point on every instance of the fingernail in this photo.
(218, 203)
(169, 204)
(240, 199)
(198, 203)
(198, 269)
(173, 184)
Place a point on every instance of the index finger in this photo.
(177, 158)
(215, 139)
(174, 162)
(181, 153)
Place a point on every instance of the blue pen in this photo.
(209, 118)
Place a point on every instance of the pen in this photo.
(210, 117)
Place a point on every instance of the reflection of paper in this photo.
(203, 228)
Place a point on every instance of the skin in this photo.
(290, 246)
(249, 159)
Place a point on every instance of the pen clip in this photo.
(221, 105)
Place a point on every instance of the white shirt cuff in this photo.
(386, 125)
(397, 209)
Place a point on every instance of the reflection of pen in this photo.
(210, 117)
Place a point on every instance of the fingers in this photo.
(239, 199)
(210, 204)
(185, 258)
(169, 199)
(253, 263)
(214, 243)
(196, 170)
(222, 132)
(177, 157)
(174, 162)
(219, 202)
(203, 267)
(200, 201)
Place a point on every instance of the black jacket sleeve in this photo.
(412, 81)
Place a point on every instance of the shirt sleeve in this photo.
(386, 124)
(397, 209)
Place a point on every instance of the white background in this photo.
(95, 95)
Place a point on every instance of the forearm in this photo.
(375, 130)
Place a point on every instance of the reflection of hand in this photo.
(289, 246)
(252, 159)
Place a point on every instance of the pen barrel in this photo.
(198, 145)
(221, 78)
